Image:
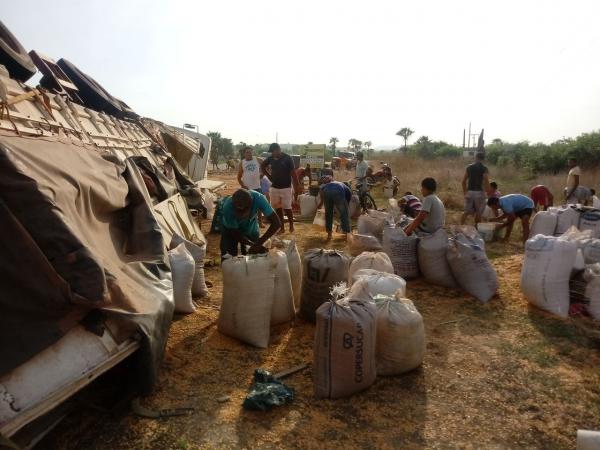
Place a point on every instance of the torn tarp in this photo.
(69, 218)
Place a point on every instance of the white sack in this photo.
(372, 223)
(359, 243)
(402, 250)
(198, 252)
(248, 288)
(294, 266)
(590, 220)
(567, 217)
(432, 259)
(546, 273)
(592, 289)
(370, 260)
(400, 336)
(470, 266)
(591, 251)
(308, 205)
(367, 283)
(283, 309)
(182, 269)
(544, 223)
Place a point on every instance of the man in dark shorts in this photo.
(279, 168)
(512, 206)
(475, 184)
(542, 196)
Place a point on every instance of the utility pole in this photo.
(464, 137)
(277, 137)
(469, 134)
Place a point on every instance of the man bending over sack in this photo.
(239, 220)
(512, 206)
(335, 195)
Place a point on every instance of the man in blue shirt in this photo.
(335, 195)
(240, 224)
(512, 206)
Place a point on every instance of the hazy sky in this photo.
(310, 70)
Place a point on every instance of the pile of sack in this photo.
(458, 260)
(258, 292)
(558, 220)
(562, 274)
(366, 330)
(187, 270)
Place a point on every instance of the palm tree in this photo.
(333, 141)
(405, 134)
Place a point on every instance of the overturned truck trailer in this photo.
(90, 195)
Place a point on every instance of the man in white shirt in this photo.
(361, 166)
(249, 174)
(574, 192)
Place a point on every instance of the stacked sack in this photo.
(470, 265)
(378, 261)
(544, 223)
(344, 347)
(366, 330)
(322, 269)
(187, 267)
(402, 250)
(433, 263)
(372, 223)
(546, 272)
(257, 293)
(294, 262)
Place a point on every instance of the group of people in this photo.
(269, 187)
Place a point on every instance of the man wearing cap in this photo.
(279, 168)
(239, 220)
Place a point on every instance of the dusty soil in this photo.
(499, 375)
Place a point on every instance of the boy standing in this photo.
(433, 213)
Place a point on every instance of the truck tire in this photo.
(14, 57)
(91, 92)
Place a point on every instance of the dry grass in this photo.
(449, 172)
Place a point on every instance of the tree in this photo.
(405, 133)
(215, 148)
(355, 144)
(333, 141)
(369, 150)
(221, 148)
(423, 140)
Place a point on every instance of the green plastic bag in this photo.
(267, 392)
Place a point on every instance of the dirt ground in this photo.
(499, 375)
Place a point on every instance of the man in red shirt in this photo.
(542, 196)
